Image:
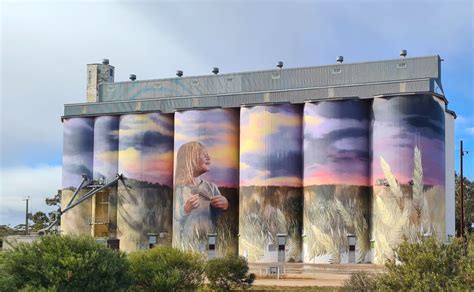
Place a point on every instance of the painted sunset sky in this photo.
(106, 137)
(336, 143)
(270, 145)
(218, 131)
(146, 147)
(78, 150)
(400, 124)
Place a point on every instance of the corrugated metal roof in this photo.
(278, 79)
(297, 85)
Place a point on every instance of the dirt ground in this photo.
(320, 279)
(308, 275)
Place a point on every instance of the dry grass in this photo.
(266, 212)
(332, 213)
(404, 212)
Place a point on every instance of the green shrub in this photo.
(429, 265)
(425, 266)
(65, 263)
(229, 272)
(360, 281)
(7, 282)
(166, 269)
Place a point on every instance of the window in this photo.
(401, 65)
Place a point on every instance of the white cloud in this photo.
(470, 130)
(18, 182)
(461, 120)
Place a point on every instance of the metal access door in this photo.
(281, 248)
(211, 246)
(152, 240)
(352, 248)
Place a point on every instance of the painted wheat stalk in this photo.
(393, 183)
(356, 221)
(411, 219)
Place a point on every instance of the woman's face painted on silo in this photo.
(203, 163)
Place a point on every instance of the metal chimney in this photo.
(340, 59)
(215, 70)
(179, 73)
(133, 77)
(403, 53)
(105, 61)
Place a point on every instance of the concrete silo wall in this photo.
(77, 161)
(210, 137)
(407, 171)
(336, 181)
(104, 203)
(270, 217)
(309, 183)
(145, 159)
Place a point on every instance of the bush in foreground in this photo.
(164, 268)
(429, 265)
(423, 266)
(360, 281)
(229, 272)
(65, 263)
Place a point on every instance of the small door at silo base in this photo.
(152, 240)
(211, 246)
(281, 247)
(352, 249)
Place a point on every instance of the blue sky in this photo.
(45, 46)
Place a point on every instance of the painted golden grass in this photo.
(332, 213)
(405, 212)
(266, 211)
(143, 208)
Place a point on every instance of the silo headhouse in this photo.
(324, 164)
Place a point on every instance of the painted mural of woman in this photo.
(197, 202)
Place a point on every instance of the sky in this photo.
(270, 145)
(45, 46)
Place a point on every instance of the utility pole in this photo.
(26, 215)
(462, 194)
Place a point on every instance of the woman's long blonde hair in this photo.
(186, 162)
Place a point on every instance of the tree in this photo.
(65, 263)
(229, 272)
(40, 221)
(164, 268)
(55, 201)
(468, 203)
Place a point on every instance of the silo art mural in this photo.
(407, 171)
(77, 163)
(205, 214)
(270, 218)
(336, 181)
(145, 159)
(104, 203)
